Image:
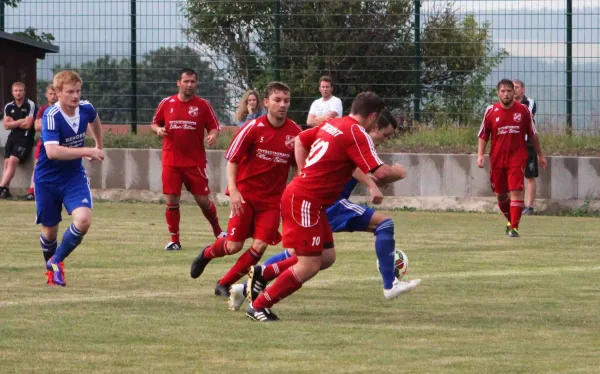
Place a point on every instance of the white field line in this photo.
(314, 283)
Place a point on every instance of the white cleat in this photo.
(400, 288)
(223, 234)
(236, 297)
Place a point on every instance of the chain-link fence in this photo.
(435, 61)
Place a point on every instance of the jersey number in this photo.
(317, 151)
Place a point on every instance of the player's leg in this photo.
(499, 181)
(238, 230)
(196, 182)
(48, 214)
(9, 172)
(172, 181)
(531, 174)
(516, 176)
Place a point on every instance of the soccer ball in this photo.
(400, 263)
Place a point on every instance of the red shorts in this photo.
(305, 225)
(38, 147)
(194, 178)
(258, 221)
(509, 179)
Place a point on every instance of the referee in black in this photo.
(18, 117)
(531, 170)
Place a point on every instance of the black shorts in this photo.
(531, 169)
(20, 148)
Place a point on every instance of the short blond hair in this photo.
(65, 77)
(18, 84)
(50, 86)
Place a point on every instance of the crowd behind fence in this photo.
(433, 61)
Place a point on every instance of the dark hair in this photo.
(187, 71)
(325, 78)
(367, 103)
(385, 119)
(276, 86)
(506, 82)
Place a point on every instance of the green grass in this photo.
(487, 303)
(443, 139)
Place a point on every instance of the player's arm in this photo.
(212, 125)
(28, 121)
(238, 148)
(484, 136)
(235, 197)
(38, 124)
(535, 140)
(10, 123)
(374, 191)
(390, 174)
(96, 129)
(55, 151)
(338, 109)
(302, 144)
(158, 121)
(313, 120)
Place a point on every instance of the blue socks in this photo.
(273, 259)
(385, 248)
(70, 241)
(48, 247)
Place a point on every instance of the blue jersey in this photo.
(348, 188)
(58, 128)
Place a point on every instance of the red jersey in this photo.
(185, 123)
(264, 154)
(507, 128)
(40, 113)
(337, 147)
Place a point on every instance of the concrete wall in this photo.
(428, 175)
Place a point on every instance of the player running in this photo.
(59, 176)
(346, 216)
(327, 156)
(180, 120)
(259, 159)
(507, 122)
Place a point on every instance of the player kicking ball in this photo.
(59, 176)
(506, 123)
(346, 216)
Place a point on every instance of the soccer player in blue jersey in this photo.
(346, 216)
(60, 178)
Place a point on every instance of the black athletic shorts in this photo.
(531, 169)
(20, 148)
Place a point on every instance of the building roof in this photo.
(45, 47)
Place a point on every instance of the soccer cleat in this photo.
(236, 297)
(261, 315)
(29, 197)
(5, 193)
(507, 228)
(528, 211)
(199, 264)
(223, 234)
(58, 275)
(173, 246)
(514, 233)
(222, 290)
(400, 288)
(256, 283)
(49, 275)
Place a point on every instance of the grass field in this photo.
(487, 303)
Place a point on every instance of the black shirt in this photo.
(531, 104)
(15, 112)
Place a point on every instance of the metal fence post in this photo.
(417, 62)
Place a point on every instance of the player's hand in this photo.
(96, 154)
(211, 140)
(480, 161)
(542, 161)
(376, 195)
(161, 132)
(235, 201)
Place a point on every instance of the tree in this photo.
(10, 3)
(363, 45)
(31, 33)
(107, 83)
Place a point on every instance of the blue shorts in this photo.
(50, 197)
(345, 216)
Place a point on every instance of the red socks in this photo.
(516, 208)
(285, 285)
(218, 249)
(505, 208)
(30, 191)
(211, 216)
(271, 272)
(173, 217)
(241, 267)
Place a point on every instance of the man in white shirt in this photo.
(327, 107)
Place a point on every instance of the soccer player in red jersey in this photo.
(507, 122)
(52, 99)
(327, 155)
(259, 159)
(180, 120)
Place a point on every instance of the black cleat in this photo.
(256, 283)
(173, 246)
(222, 290)
(199, 264)
(29, 197)
(5, 193)
(514, 233)
(528, 211)
(507, 228)
(261, 315)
